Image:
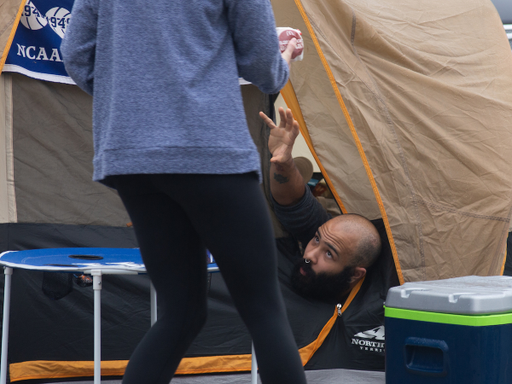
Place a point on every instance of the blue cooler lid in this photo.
(469, 295)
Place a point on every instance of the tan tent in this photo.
(408, 107)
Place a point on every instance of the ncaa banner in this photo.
(35, 50)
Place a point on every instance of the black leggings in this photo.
(176, 218)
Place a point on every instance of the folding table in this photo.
(93, 261)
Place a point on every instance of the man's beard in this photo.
(320, 286)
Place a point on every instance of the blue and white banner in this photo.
(35, 51)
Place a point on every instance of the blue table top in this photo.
(108, 260)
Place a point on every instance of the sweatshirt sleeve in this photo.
(79, 44)
(256, 44)
(303, 219)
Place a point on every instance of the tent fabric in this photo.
(20, 236)
(46, 172)
(7, 199)
(10, 13)
(407, 106)
(62, 154)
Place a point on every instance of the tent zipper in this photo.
(339, 309)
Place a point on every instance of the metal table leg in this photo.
(96, 284)
(254, 366)
(5, 324)
(153, 303)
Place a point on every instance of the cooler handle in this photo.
(426, 357)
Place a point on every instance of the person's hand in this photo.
(287, 53)
(282, 137)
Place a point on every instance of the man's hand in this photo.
(286, 183)
(282, 138)
(287, 53)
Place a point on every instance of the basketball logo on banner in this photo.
(58, 19)
(31, 18)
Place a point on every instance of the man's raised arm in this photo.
(286, 183)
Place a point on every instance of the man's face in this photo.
(324, 272)
(330, 250)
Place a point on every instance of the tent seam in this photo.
(440, 207)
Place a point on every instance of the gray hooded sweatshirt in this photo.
(164, 75)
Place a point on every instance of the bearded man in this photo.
(337, 251)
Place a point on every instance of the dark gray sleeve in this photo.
(302, 219)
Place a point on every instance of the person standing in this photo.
(170, 135)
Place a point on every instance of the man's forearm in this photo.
(286, 183)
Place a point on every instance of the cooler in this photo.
(450, 331)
